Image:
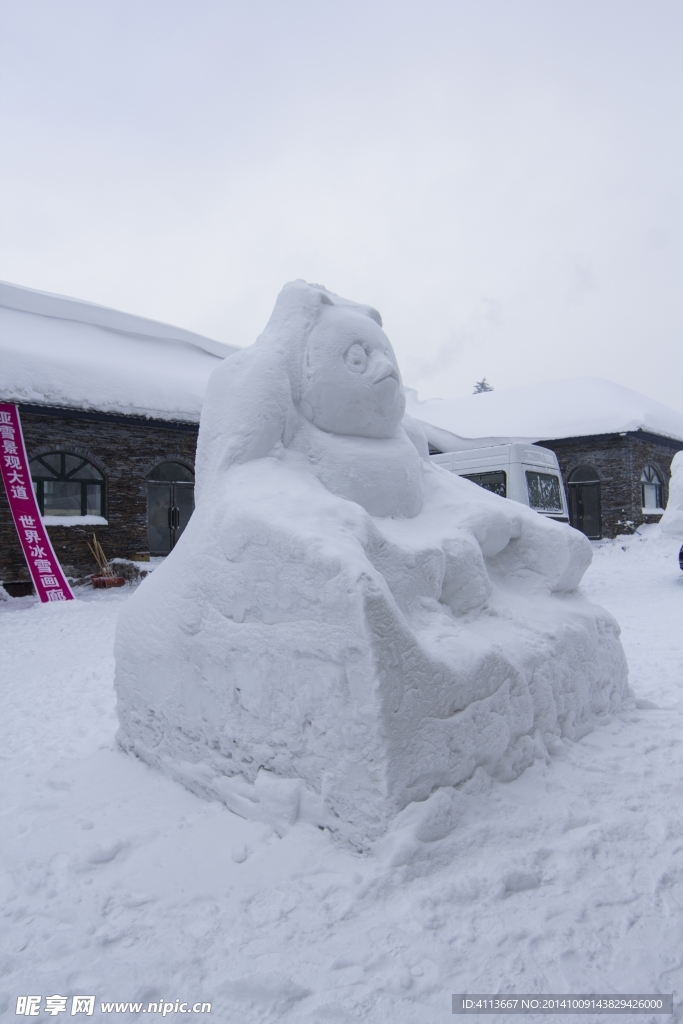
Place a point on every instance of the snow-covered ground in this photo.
(119, 883)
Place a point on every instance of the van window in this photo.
(496, 482)
(544, 491)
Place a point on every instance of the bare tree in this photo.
(481, 386)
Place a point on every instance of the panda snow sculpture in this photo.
(344, 626)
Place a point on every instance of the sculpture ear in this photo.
(325, 298)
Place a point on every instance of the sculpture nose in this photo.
(384, 368)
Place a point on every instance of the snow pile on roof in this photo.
(575, 407)
(65, 352)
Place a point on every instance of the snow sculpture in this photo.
(671, 522)
(344, 626)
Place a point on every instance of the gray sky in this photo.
(500, 178)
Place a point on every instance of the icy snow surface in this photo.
(671, 522)
(65, 352)
(119, 883)
(574, 407)
(344, 626)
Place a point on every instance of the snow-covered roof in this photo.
(575, 407)
(65, 352)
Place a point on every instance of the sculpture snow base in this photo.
(295, 638)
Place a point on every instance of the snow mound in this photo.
(576, 407)
(344, 627)
(671, 522)
(66, 352)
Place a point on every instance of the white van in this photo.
(523, 472)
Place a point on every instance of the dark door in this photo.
(158, 507)
(169, 507)
(584, 508)
(183, 501)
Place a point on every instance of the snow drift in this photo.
(344, 626)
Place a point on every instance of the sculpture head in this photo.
(321, 359)
(350, 380)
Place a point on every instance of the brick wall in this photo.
(125, 449)
(619, 460)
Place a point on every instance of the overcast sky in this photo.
(500, 178)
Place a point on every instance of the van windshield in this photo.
(496, 482)
(544, 491)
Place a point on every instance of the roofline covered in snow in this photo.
(446, 441)
(30, 300)
(97, 416)
(576, 407)
(643, 433)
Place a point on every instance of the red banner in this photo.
(48, 578)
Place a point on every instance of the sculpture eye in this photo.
(356, 358)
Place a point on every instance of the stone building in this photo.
(614, 446)
(109, 406)
(615, 482)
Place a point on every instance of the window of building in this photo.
(172, 471)
(67, 485)
(584, 475)
(651, 488)
(496, 482)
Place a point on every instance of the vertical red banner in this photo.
(46, 572)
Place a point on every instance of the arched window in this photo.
(172, 471)
(651, 488)
(584, 475)
(170, 503)
(67, 485)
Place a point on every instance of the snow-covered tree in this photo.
(481, 386)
